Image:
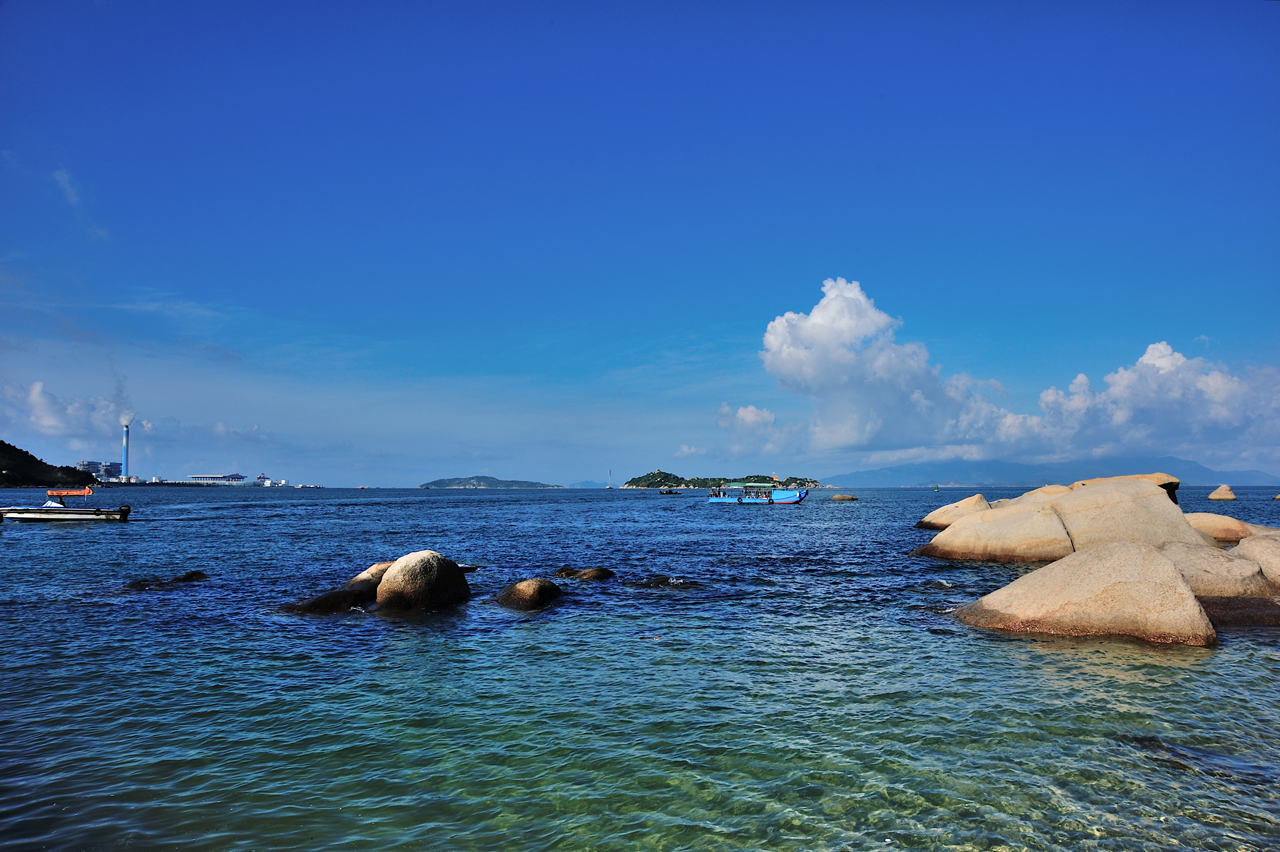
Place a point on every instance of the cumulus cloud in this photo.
(873, 394)
(869, 391)
(686, 450)
(32, 407)
(754, 430)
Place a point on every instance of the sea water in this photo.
(800, 684)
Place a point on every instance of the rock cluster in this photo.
(420, 580)
(1124, 561)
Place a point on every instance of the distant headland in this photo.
(484, 482)
(18, 468)
(662, 479)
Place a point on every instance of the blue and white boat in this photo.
(755, 492)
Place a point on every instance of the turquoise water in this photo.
(805, 689)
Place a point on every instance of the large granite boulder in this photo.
(1223, 492)
(1125, 588)
(529, 594)
(1164, 480)
(1263, 549)
(940, 519)
(422, 580)
(1026, 533)
(1054, 524)
(1123, 508)
(1211, 572)
(1222, 528)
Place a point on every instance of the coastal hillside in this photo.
(484, 482)
(988, 473)
(19, 468)
(662, 479)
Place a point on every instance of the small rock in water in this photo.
(1222, 492)
(529, 594)
(585, 574)
(661, 581)
(843, 497)
(146, 584)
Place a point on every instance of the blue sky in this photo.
(384, 243)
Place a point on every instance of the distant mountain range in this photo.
(1034, 475)
(484, 482)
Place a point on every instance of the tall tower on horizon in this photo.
(124, 462)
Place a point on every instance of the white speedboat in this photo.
(57, 510)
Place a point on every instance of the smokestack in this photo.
(124, 465)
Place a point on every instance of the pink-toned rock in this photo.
(1221, 527)
(1043, 494)
(1125, 588)
(1263, 549)
(1223, 492)
(1168, 483)
(1026, 533)
(940, 519)
(1211, 572)
(1123, 508)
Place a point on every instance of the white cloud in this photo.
(686, 450)
(63, 178)
(883, 398)
(34, 408)
(754, 431)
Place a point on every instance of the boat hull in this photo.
(778, 495)
(43, 513)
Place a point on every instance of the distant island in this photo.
(18, 468)
(484, 482)
(662, 479)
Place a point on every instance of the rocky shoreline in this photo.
(1119, 558)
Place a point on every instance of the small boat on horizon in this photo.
(56, 509)
(755, 492)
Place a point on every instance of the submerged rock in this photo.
(1242, 612)
(529, 594)
(662, 581)
(585, 574)
(1222, 492)
(147, 584)
(360, 591)
(1125, 588)
(941, 518)
(843, 498)
(1216, 573)
(422, 580)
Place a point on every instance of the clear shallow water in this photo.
(808, 690)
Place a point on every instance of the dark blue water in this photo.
(804, 688)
